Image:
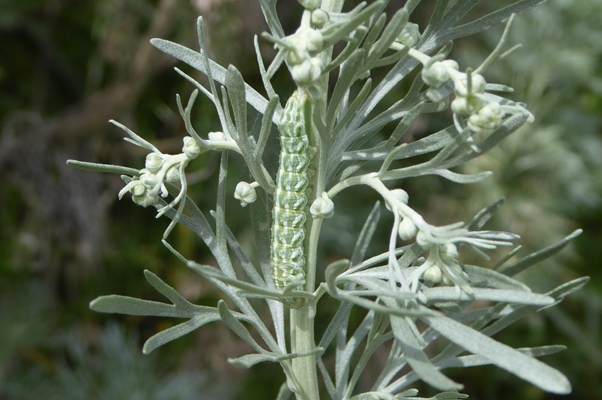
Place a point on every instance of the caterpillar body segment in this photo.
(290, 200)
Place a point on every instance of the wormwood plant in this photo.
(331, 138)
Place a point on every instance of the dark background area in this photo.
(67, 67)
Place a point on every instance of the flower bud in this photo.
(468, 105)
(146, 200)
(312, 39)
(410, 35)
(173, 174)
(307, 72)
(191, 147)
(448, 252)
(322, 207)
(407, 229)
(319, 18)
(148, 179)
(217, 136)
(422, 240)
(138, 189)
(400, 195)
(311, 4)
(477, 82)
(437, 73)
(153, 162)
(488, 117)
(296, 57)
(432, 274)
(245, 193)
(142, 196)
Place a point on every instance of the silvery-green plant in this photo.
(413, 293)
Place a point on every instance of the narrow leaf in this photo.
(359, 251)
(438, 294)
(512, 360)
(484, 277)
(179, 330)
(237, 327)
(475, 361)
(266, 127)
(532, 259)
(169, 292)
(462, 178)
(335, 32)
(236, 91)
(133, 306)
(248, 360)
(417, 359)
(485, 215)
(260, 218)
(391, 32)
(195, 60)
(334, 327)
(95, 167)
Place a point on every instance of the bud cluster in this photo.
(302, 48)
(441, 266)
(469, 88)
(158, 169)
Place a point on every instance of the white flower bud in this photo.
(173, 174)
(191, 147)
(468, 105)
(400, 195)
(296, 57)
(448, 252)
(217, 136)
(322, 207)
(477, 81)
(422, 240)
(148, 199)
(488, 118)
(148, 179)
(312, 39)
(319, 18)
(138, 189)
(432, 274)
(245, 193)
(311, 4)
(407, 229)
(142, 196)
(153, 162)
(307, 72)
(410, 35)
(437, 73)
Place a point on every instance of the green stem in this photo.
(302, 341)
(302, 319)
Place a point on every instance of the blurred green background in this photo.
(67, 67)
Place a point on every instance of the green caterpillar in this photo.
(289, 213)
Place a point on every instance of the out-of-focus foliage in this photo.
(114, 370)
(65, 69)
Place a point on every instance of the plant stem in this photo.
(302, 341)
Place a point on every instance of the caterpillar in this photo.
(289, 213)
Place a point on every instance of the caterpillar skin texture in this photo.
(289, 212)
